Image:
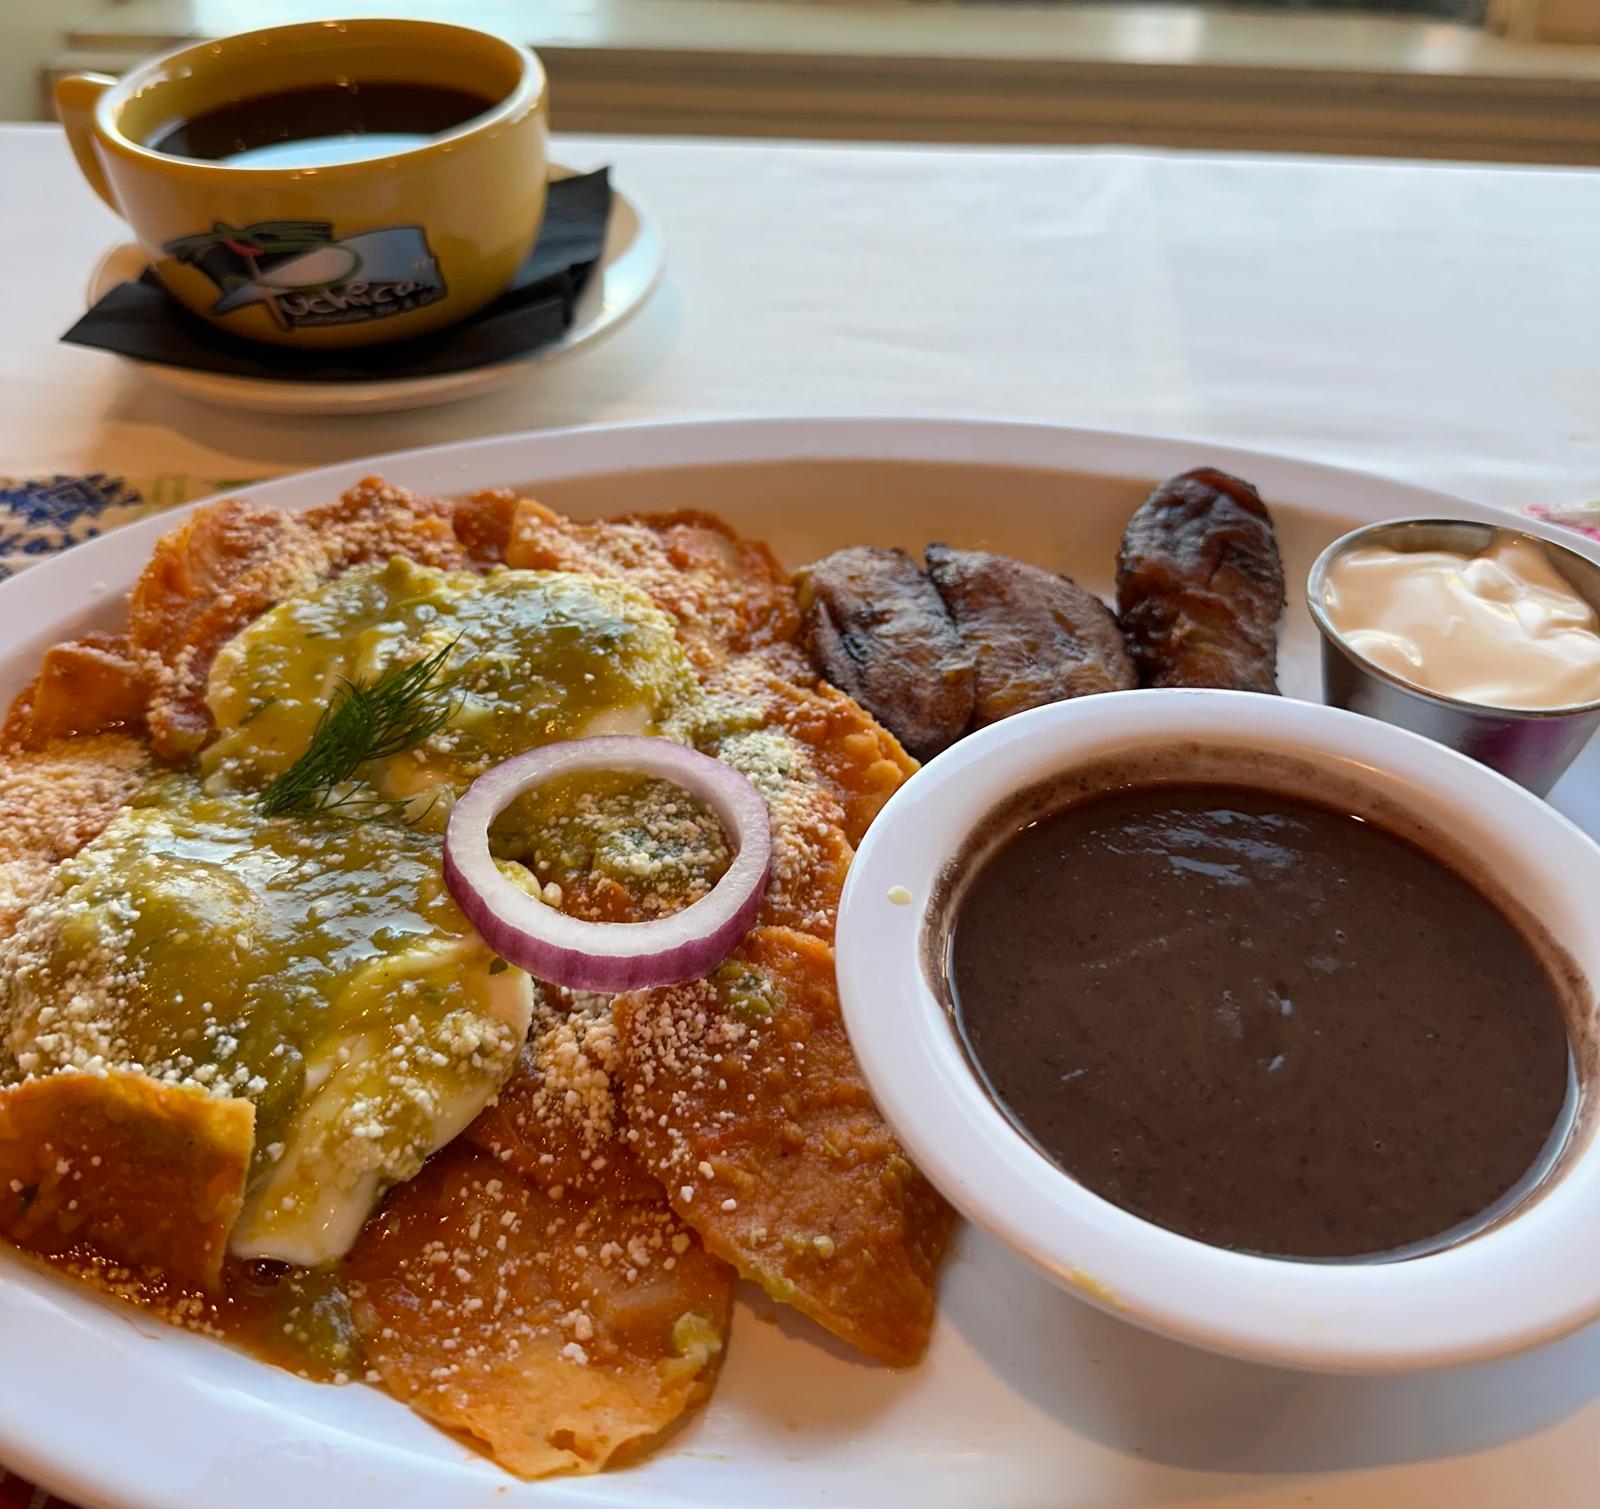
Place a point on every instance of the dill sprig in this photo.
(363, 721)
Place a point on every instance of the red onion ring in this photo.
(609, 956)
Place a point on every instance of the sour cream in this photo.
(1502, 628)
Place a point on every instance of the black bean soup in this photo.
(1261, 1022)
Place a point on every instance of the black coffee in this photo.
(327, 123)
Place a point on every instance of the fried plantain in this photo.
(1200, 585)
(1035, 637)
(881, 634)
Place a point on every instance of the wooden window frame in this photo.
(1136, 74)
(1546, 20)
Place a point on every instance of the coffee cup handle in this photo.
(76, 96)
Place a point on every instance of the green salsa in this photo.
(315, 967)
(534, 657)
(657, 845)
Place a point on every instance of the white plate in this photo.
(1028, 1399)
(630, 268)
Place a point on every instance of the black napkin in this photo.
(141, 321)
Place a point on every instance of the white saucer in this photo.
(630, 268)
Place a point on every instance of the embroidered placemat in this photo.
(41, 515)
(1584, 517)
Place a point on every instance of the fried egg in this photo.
(314, 967)
(533, 657)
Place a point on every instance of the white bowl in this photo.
(1531, 1278)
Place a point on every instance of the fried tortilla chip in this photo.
(85, 686)
(810, 854)
(751, 1109)
(825, 768)
(144, 1171)
(52, 802)
(726, 595)
(482, 523)
(853, 757)
(215, 547)
(860, 762)
(556, 1120)
(554, 1283)
(562, 1334)
(231, 561)
(375, 520)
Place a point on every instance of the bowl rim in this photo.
(1316, 581)
(529, 92)
(1526, 1280)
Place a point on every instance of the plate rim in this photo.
(579, 450)
(283, 1450)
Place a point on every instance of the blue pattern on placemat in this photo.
(41, 515)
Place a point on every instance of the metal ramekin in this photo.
(1531, 745)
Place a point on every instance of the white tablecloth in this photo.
(1434, 323)
(1437, 324)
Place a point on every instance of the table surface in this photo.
(1434, 323)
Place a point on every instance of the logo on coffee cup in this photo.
(306, 278)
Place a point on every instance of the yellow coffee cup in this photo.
(320, 253)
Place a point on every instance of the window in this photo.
(1471, 12)
(1458, 79)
